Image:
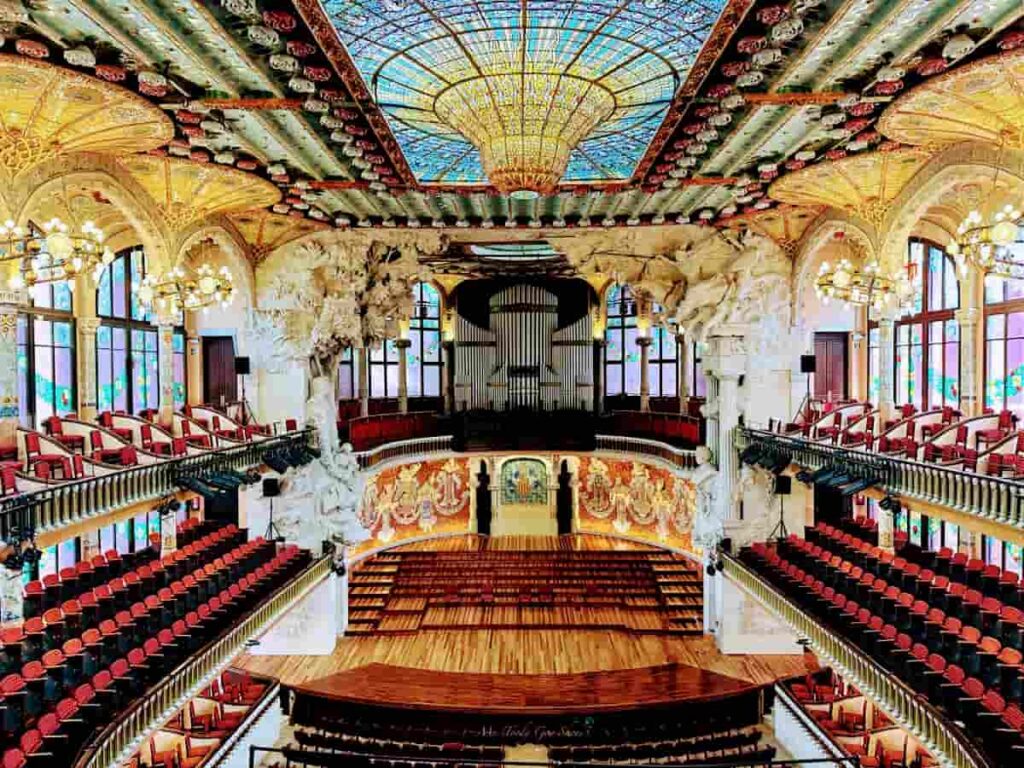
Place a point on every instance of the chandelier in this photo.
(57, 253)
(179, 290)
(867, 286)
(991, 243)
(525, 124)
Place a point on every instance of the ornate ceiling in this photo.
(355, 109)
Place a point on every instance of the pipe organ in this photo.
(522, 359)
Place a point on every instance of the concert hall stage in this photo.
(619, 690)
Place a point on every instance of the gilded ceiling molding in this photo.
(99, 175)
(979, 102)
(185, 192)
(263, 231)
(864, 185)
(51, 112)
(811, 249)
(962, 164)
(784, 224)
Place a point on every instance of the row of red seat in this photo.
(370, 431)
(947, 662)
(667, 427)
(50, 708)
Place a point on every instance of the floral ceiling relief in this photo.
(417, 499)
(635, 499)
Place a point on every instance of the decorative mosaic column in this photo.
(194, 368)
(165, 361)
(644, 343)
(403, 345)
(885, 529)
(886, 367)
(10, 303)
(87, 393)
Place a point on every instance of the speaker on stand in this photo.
(783, 487)
(272, 488)
(242, 370)
(808, 365)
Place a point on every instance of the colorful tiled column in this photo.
(10, 303)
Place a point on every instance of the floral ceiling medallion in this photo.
(186, 192)
(863, 185)
(49, 111)
(982, 102)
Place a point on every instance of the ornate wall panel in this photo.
(421, 498)
(627, 497)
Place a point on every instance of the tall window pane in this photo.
(423, 357)
(622, 355)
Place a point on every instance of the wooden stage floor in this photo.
(524, 651)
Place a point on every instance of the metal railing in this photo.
(947, 742)
(396, 450)
(998, 499)
(679, 457)
(158, 704)
(61, 505)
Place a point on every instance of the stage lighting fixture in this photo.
(750, 454)
(805, 477)
(860, 485)
(822, 473)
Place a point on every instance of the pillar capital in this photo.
(89, 325)
(968, 316)
(12, 299)
(403, 343)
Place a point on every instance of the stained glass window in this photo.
(46, 355)
(127, 343)
(622, 355)
(928, 341)
(663, 361)
(348, 375)
(410, 54)
(384, 370)
(1004, 345)
(423, 358)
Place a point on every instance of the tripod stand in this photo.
(272, 533)
(246, 408)
(779, 531)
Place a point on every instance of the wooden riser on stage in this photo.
(642, 590)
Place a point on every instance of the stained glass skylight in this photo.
(440, 70)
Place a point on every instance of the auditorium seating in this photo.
(952, 627)
(118, 629)
(673, 428)
(368, 432)
(855, 724)
(644, 590)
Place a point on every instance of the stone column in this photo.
(886, 366)
(726, 362)
(10, 302)
(644, 342)
(403, 374)
(87, 392)
(599, 345)
(683, 373)
(194, 368)
(165, 361)
(858, 380)
(364, 381)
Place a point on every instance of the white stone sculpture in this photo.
(708, 524)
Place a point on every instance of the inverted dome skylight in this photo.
(523, 93)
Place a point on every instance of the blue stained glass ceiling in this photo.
(411, 52)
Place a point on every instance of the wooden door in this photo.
(831, 365)
(219, 379)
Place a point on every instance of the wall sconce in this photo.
(597, 325)
(448, 326)
(403, 329)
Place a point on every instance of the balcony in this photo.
(999, 500)
(57, 506)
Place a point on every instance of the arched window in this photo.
(928, 341)
(127, 344)
(622, 355)
(1004, 345)
(46, 354)
(424, 355)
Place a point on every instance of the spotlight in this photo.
(805, 477)
(721, 566)
(889, 503)
(711, 569)
(750, 454)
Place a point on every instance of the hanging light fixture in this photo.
(865, 286)
(55, 253)
(992, 243)
(179, 290)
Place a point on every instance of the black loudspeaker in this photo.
(271, 487)
(783, 485)
(241, 366)
(808, 363)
